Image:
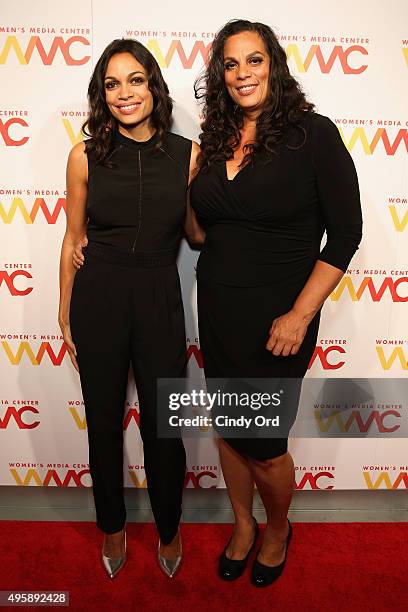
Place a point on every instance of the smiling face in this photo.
(127, 92)
(246, 71)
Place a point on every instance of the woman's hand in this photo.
(77, 256)
(288, 331)
(286, 334)
(66, 332)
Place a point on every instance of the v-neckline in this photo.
(235, 176)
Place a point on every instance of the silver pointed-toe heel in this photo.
(113, 565)
(168, 566)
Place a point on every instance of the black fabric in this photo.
(233, 327)
(139, 204)
(265, 226)
(263, 236)
(121, 316)
(138, 259)
(126, 309)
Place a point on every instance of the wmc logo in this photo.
(29, 214)
(405, 50)
(337, 55)
(396, 356)
(335, 421)
(52, 477)
(400, 223)
(46, 52)
(317, 480)
(74, 136)
(132, 416)
(328, 358)
(36, 356)
(11, 134)
(345, 58)
(383, 480)
(205, 479)
(137, 482)
(20, 417)
(194, 352)
(12, 282)
(376, 291)
(389, 144)
(199, 50)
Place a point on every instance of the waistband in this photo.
(151, 259)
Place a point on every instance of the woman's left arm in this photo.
(339, 199)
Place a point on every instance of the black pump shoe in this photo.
(231, 569)
(263, 575)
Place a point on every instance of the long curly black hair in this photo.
(285, 105)
(100, 124)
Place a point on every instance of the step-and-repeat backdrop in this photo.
(352, 61)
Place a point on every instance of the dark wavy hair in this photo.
(100, 124)
(285, 105)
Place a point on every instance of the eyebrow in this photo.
(228, 57)
(129, 75)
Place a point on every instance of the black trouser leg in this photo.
(100, 328)
(159, 351)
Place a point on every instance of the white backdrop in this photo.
(352, 62)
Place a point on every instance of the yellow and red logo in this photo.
(132, 416)
(329, 357)
(315, 478)
(204, 477)
(350, 59)
(324, 59)
(383, 139)
(201, 477)
(385, 480)
(388, 358)
(34, 356)
(176, 49)
(54, 476)
(400, 222)
(336, 421)
(21, 416)
(72, 121)
(29, 211)
(73, 50)
(12, 282)
(12, 131)
(137, 477)
(375, 289)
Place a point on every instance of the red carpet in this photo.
(330, 567)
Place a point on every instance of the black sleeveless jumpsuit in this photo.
(126, 309)
(263, 238)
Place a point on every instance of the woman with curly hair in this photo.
(274, 175)
(126, 189)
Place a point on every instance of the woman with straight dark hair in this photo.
(126, 189)
(274, 175)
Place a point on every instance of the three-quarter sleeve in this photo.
(338, 192)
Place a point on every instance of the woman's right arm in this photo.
(193, 230)
(77, 189)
